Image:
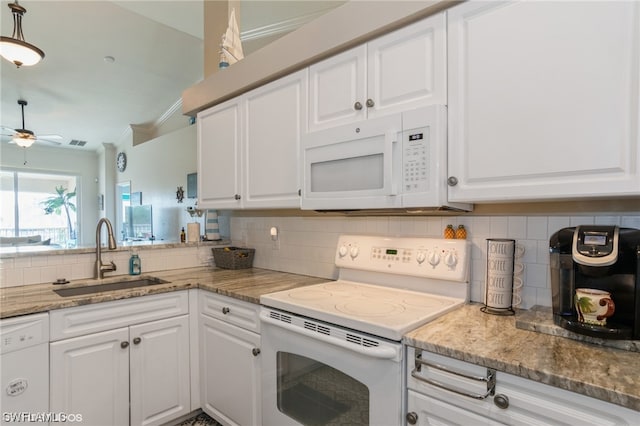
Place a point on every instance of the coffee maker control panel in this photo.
(595, 245)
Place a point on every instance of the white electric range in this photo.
(336, 345)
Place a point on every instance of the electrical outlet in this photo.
(275, 238)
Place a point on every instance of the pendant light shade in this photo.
(15, 49)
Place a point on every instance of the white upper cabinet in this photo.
(543, 100)
(219, 156)
(274, 119)
(248, 147)
(402, 70)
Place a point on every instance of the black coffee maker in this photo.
(597, 257)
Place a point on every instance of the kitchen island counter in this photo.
(243, 284)
(493, 341)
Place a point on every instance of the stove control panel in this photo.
(422, 257)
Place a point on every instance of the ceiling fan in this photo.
(24, 137)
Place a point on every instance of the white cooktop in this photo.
(387, 286)
(381, 311)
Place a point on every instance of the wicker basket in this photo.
(233, 257)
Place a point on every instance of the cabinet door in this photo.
(431, 411)
(407, 68)
(160, 371)
(335, 86)
(274, 117)
(219, 156)
(89, 375)
(230, 372)
(543, 100)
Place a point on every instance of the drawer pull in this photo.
(501, 401)
(490, 379)
(226, 310)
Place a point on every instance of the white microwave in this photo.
(393, 162)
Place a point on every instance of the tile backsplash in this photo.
(26, 270)
(308, 243)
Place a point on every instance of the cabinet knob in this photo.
(452, 181)
(124, 345)
(237, 196)
(299, 192)
(226, 310)
(412, 418)
(357, 106)
(501, 401)
(137, 340)
(255, 351)
(370, 103)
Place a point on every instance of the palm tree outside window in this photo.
(39, 204)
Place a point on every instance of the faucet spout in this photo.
(101, 268)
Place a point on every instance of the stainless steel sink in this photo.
(99, 288)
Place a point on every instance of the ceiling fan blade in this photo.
(8, 129)
(50, 137)
(39, 139)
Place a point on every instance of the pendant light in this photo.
(15, 49)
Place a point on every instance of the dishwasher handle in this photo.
(490, 379)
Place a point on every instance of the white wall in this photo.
(156, 168)
(68, 161)
(308, 243)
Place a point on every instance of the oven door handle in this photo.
(382, 352)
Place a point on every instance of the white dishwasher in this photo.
(24, 368)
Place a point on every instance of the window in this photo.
(39, 204)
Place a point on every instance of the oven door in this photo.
(315, 373)
(353, 166)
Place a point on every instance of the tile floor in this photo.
(200, 420)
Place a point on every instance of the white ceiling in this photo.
(158, 51)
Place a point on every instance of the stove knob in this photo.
(451, 259)
(354, 252)
(421, 256)
(342, 251)
(434, 258)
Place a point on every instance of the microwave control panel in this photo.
(415, 157)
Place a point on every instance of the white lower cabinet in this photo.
(136, 374)
(230, 360)
(438, 394)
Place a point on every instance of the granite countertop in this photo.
(495, 342)
(243, 284)
(466, 334)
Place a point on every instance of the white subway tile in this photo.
(537, 227)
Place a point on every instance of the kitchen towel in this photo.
(212, 229)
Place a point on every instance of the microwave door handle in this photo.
(390, 169)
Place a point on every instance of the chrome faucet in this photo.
(100, 267)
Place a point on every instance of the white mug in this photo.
(516, 300)
(518, 283)
(518, 268)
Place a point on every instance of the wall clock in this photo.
(121, 161)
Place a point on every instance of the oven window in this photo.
(315, 394)
(348, 174)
